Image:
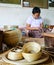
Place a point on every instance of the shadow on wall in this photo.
(46, 21)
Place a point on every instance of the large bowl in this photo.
(31, 51)
(12, 37)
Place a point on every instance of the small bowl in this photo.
(15, 54)
(31, 51)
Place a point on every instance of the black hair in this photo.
(36, 10)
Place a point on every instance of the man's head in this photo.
(36, 12)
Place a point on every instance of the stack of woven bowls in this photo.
(12, 37)
(31, 51)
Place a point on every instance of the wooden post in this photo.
(22, 3)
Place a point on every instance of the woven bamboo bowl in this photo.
(15, 54)
(12, 37)
(31, 51)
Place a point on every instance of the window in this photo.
(51, 3)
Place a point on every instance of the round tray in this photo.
(43, 58)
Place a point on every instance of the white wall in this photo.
(17, 15)
(48, 15)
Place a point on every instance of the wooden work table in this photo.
(48, 34)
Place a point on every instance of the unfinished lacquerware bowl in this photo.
(31, 51)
